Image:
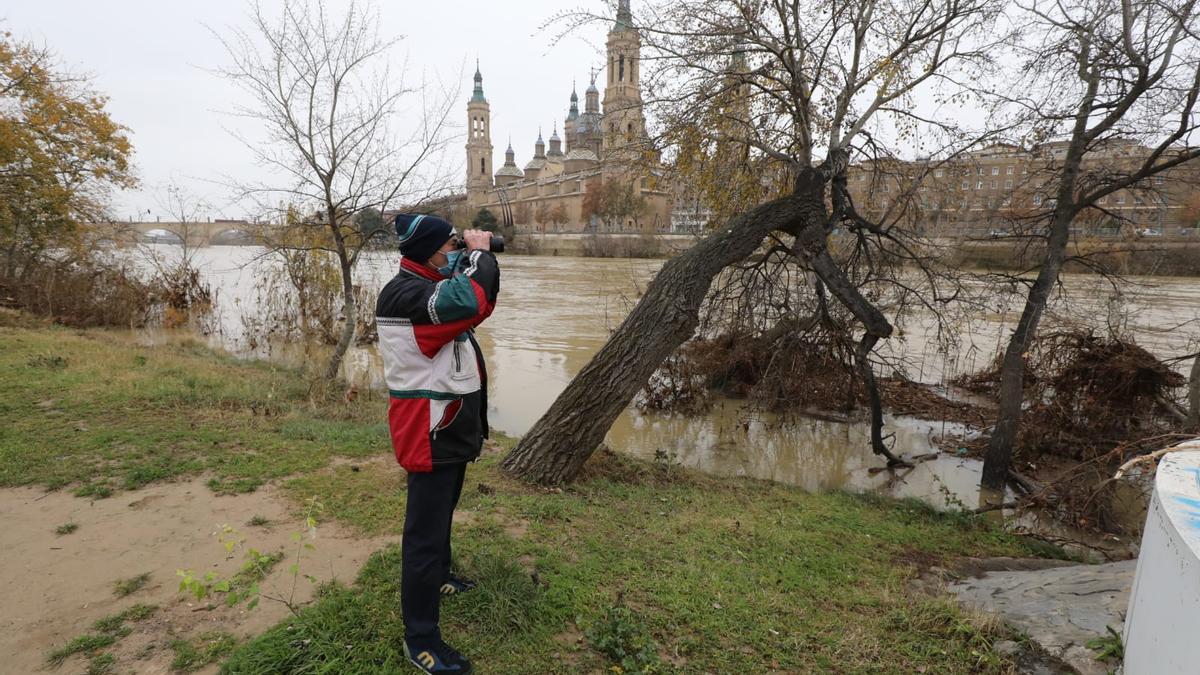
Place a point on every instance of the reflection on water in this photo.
(555, 313)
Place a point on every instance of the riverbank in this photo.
(1142, 256)
(658, 567)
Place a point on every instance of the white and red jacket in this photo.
(434, 369)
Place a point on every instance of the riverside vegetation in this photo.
(635, 567)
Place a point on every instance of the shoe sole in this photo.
(468, 671)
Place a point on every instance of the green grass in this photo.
(638, 566)
(656, 569)
(66, 528)
(90, 411)
(194, 654)
(124, 587)
(101, 664)
(84, 644)
(108, 631)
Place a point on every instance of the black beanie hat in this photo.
(421, 236)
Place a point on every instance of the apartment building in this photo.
(1002, 189)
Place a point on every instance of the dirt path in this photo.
(58, 585)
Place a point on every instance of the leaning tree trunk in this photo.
(555, 449)
(1194, 397)
(1012, 371)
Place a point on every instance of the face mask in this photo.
(452, 259)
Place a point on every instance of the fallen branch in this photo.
(1154, 456)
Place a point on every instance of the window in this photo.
(621, 72)
(1008, 184)
(993, 185)
(1137, 199)
(979, 171)
(482, 168)
(1102, 200)
(1159, 180)
(938, 173)
(1024, 170)
(1037, 200)
(966, 185)
(995, 171)
(979, 184)
(1120, 199)
(1009, 171)
(887, 188)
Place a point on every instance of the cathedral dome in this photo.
(513, 171)
(535, 164)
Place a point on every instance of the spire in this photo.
(555, 143)
(573, 112)
(477, 97)
(539, 148)
(624, 17)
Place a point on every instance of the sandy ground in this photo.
(57, 586)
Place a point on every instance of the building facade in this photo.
(601, 176)
(1001, 190)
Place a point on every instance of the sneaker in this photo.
(442, 659)
(457, 584)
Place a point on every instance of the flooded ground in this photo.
(554, 314)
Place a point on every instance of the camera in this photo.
(496, 245)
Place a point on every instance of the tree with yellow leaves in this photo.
(60, 155)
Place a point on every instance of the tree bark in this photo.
(1012, 372)
(555, 449)
(875, 327)
(349, 309)
(1194, 397)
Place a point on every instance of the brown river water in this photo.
(554, 313)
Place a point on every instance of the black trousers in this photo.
(425, 549)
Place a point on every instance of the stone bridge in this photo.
(193, 234)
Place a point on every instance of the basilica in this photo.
(602, 178)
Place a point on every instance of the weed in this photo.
(235, 486)
(131, 585)
(84, 644)
(48, 361)
(621, 635)
(258, 521)
(101, 664)
(66, 528)
(113, 624)
(206, 648)
(95, 490)
(141, 475)
(1109, 646)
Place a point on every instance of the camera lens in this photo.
(496, 245)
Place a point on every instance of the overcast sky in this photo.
(154, 58)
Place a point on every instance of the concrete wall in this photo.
(1162, 627)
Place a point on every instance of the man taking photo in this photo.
(437, 412)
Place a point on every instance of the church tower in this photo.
(624, 122)
(572, 120)
(479, 143)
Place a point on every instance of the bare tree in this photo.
(339, 139)
(1110, 76)
(818, 78)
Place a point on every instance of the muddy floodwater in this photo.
(554, 314)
